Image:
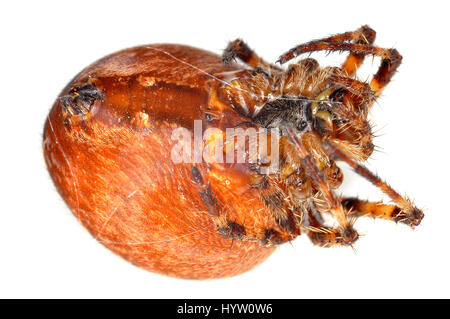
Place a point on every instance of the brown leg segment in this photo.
(358, 88)
(239, 49)
(391, 59)
(346, 231)
(364, 35)
(274, 195)
(205, 192)
(236, 231)
(389, 66)
(412, 215)
(363, 208)
(321, 235)
(274, 199)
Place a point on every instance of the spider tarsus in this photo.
(412, 217)
(232, 230)
(369, 34)
(236, 49)
(272, 238)
(348, 236)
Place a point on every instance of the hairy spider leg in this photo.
(390, 58)
(232, 229)
(321, 235)
(364, 208)
(410, 214)
(239, 49)
(273, 197)
(364, 35)
(346, 230)
(358, 88)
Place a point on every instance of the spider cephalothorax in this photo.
(321, 114)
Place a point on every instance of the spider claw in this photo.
(413, 216)
(348, 236)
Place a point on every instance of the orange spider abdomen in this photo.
(107, 145)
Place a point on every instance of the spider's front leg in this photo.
(390, 58)
(239, 49)
(364, 35)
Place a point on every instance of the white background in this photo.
(45, 252)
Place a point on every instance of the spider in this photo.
(321, 113)
(109, 139)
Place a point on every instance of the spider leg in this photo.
(274, 198)
(364, 35)
(358, 88)
(363, 208)
(239, 49)
(354, 136)
(230, 228)
(391, 58)
(346, 231)
(236, 231)
(412, 214)
(318, 233)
